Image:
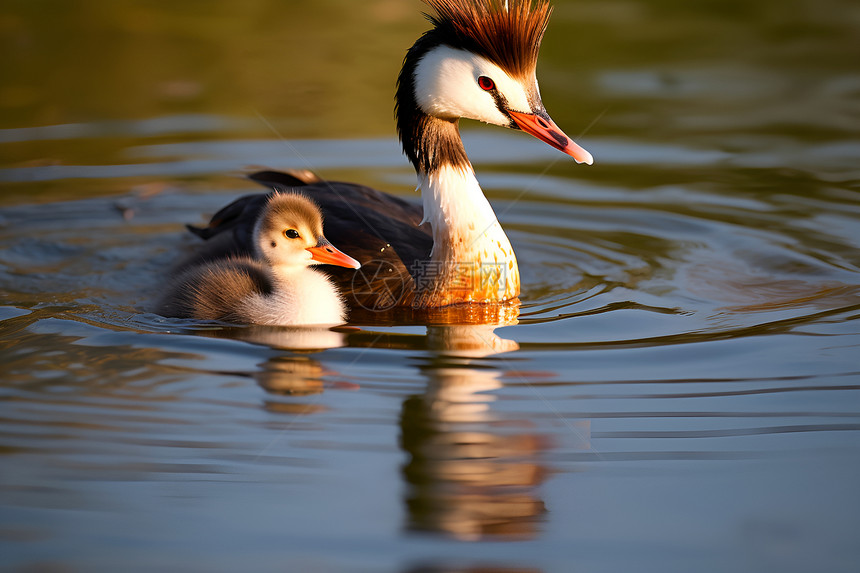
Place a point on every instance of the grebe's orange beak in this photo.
(547, 131)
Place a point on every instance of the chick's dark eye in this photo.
(291, 234)
(486, 83)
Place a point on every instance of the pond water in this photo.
(679, 391)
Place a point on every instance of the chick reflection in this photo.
(292, 374)
(471, 474)
(286, 337)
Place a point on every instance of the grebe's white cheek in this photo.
(513, 91)
(446, 86)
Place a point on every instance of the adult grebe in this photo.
(477, 62)
(275, 287)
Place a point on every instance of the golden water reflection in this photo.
(471, 473)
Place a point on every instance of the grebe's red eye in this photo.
(486, 83)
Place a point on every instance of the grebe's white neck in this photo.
(472, 259)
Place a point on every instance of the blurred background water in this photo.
(680, 391)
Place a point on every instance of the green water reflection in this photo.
(696, 71)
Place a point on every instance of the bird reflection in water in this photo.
(294, 373)
(471, 474)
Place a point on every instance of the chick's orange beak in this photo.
(547, 131)
(325, 253)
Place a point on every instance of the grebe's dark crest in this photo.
(508, 33)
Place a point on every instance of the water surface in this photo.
(679, 390)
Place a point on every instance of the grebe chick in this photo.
(276, 287)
